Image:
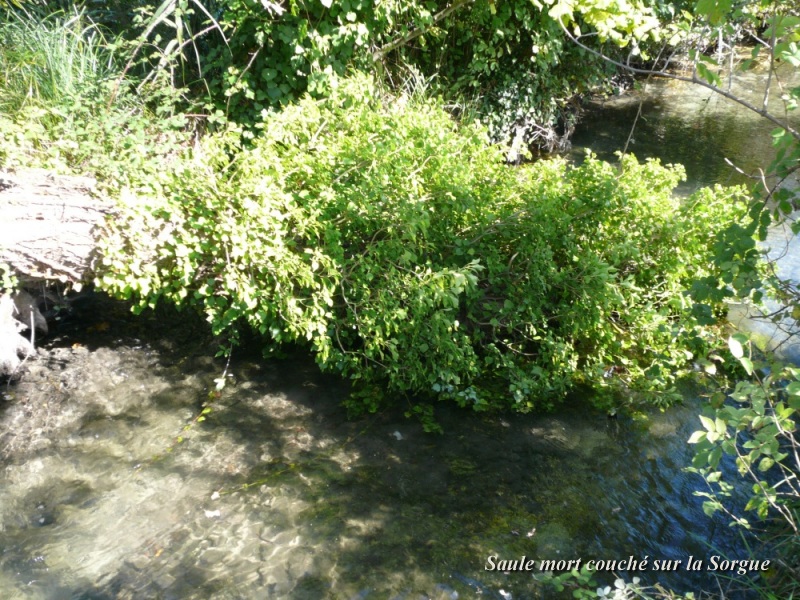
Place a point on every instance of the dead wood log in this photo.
(46, 225)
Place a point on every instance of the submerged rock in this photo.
(12, 344)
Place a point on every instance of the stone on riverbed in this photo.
(12, 344)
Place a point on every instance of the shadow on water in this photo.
(276, 494)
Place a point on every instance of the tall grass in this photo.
(44, 61)
(66, 104)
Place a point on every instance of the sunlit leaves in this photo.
(612, 20)
(408, 257)
(714, 10)
(758, 429)
(735, 345)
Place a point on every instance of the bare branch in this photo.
(771, 62)
(412, 35)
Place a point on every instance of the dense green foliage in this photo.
(514, 61)
(512, 57)
(392, 240)
(414, 262)
(509, 61)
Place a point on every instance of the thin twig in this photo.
(771, 62)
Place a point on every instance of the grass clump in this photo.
(45, 61)
(65, 105)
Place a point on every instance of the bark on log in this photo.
(46, 225)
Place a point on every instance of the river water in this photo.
(116, 484)
(718, 142)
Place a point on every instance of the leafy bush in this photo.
(399, 246)
(276, 52)
(512, 56)
(757, 426)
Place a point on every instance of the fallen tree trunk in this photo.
(46, 229)
(47, 225)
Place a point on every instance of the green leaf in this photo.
(711, 506)
(708, 423)
(747, 364)
(708, 75)
(561, 9)
(696, 437)
(735, 347)
(714, 10)
(715, 457)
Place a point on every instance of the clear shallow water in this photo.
(278, 495)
